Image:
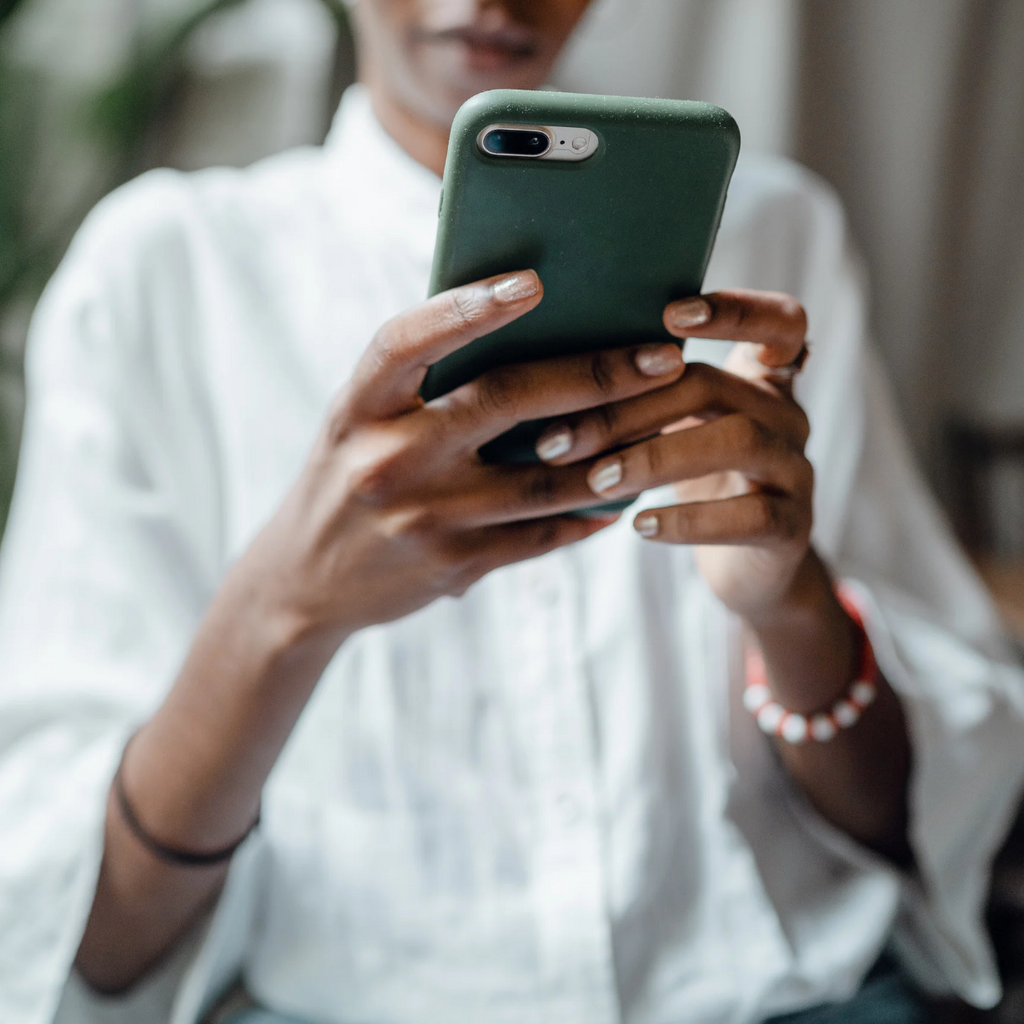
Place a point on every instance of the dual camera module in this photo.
(542, 142)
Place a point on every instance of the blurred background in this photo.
(913, 110)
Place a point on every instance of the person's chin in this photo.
(475, 68)
(483, 61)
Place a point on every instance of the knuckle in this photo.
(787, 526)
(471, 566)
(463, 309)
(539, 488)
(370, 481)
(700, 372)
(607, 419)
(337, 424)
(548, 532)
(764, 516)
(805, 475)
(466, 564)
(653, 457)
(428, 434)
(498, 391)
(794, 312)
(705, 381)
(423, 524)
(775, 518)
(803, 426)
(791, 525)
(602, 371)
(700, 387)
(462, 581)
(748, 435)
(386, 345)
(740, 312)
(375, 471)
(420, 528)
(678, 522)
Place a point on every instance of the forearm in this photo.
(194, 774)
(859, 779)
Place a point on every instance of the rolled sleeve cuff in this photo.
(963, 712)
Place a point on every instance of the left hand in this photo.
(731, 441)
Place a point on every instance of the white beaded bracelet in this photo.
(776, 720)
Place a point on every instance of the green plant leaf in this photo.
(8, 7)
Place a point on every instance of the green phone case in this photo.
(614, 237)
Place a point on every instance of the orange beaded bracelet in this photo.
(776, 720)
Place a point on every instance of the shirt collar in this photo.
(381, 187)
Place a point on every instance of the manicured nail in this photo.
(647, 526)
(690, 313)
(657, 360)
(516, 287)
(605, 478)
(554, 442)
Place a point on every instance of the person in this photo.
(296, 689)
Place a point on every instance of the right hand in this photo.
(395, 508)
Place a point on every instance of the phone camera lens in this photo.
(516, 142)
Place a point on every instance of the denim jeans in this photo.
(886, 997)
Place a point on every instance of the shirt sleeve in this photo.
(933, 627)
(110, 556)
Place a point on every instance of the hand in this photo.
(731, 441)
(395, 508)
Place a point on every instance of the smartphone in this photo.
(614, 201)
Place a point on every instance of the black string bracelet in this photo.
(171, 854)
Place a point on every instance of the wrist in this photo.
(264, 610)
(808, 642)
(249, 673)
(799, 604)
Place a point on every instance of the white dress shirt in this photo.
(539, 802)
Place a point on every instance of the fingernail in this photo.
(656, 360)
(690, 313)
(516, 287)
(646, 526)
(605, 478)
(554, 442)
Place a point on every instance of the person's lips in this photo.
(488, 49)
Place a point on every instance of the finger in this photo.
(508, 395)
(758, 519)
(506, 544)
(704, 391)
(491, 495)
(732, 443)
(744, 361)
(509, 494)
(775, 322)
(387, 380)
